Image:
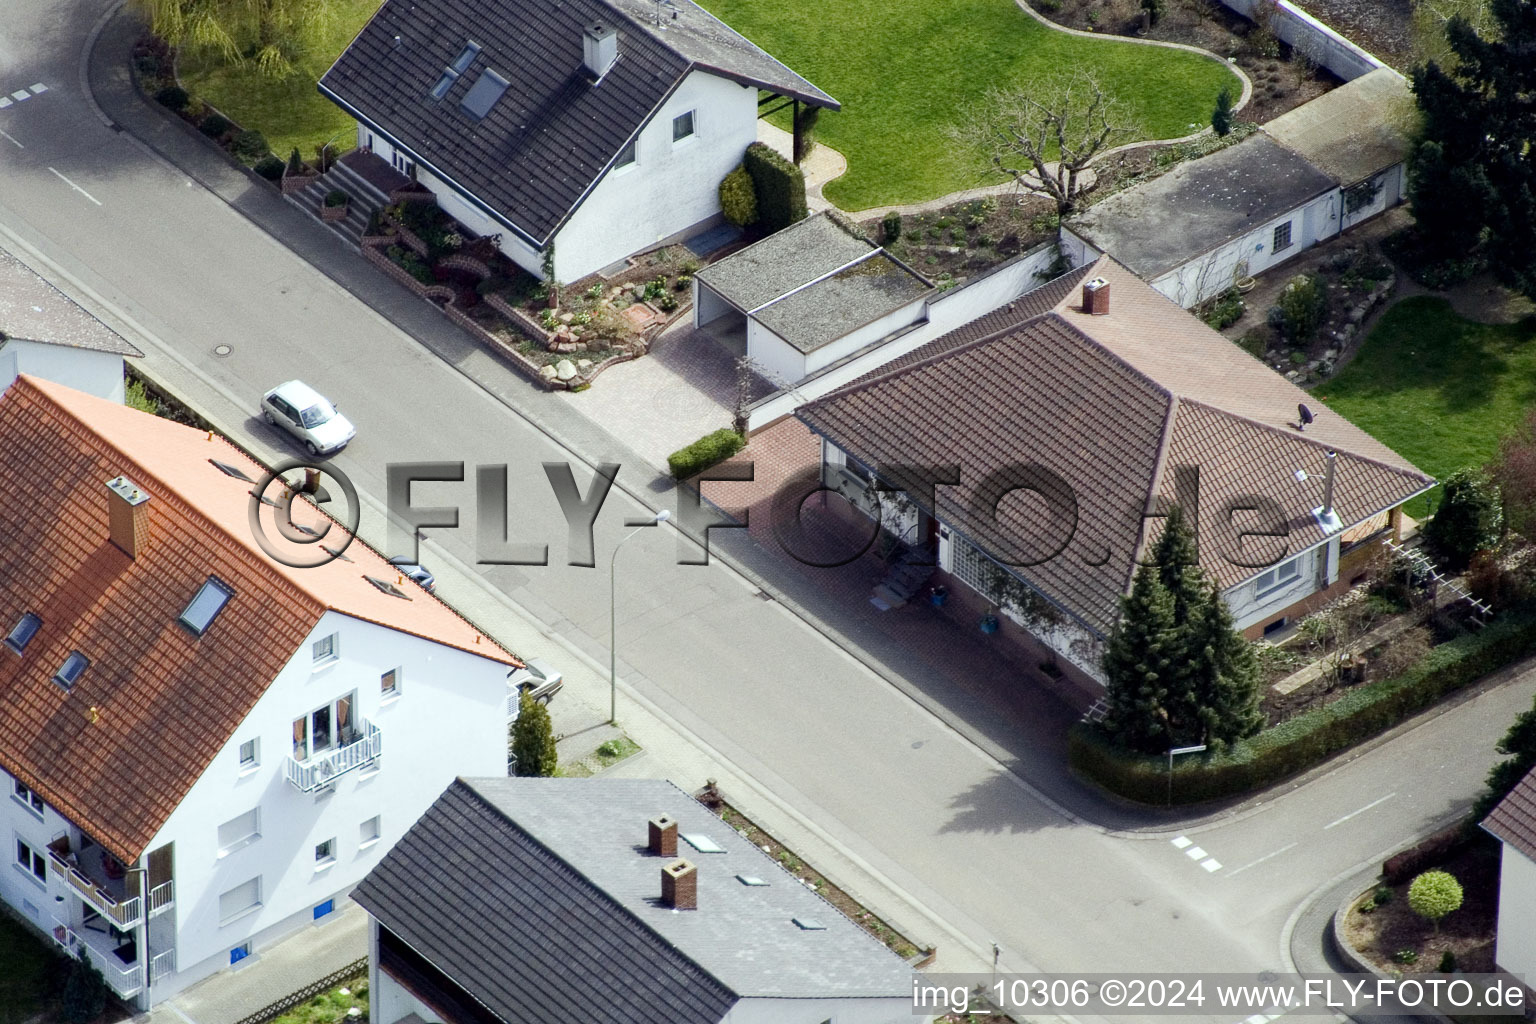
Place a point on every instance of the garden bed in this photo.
(968, 238)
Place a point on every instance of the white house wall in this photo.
(671, 186)
(779, 361)
(95, 373)
(448, 720)
(1515, 945)
(1249, 607)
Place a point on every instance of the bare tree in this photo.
(1045, 134)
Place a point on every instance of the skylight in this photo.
(69, 672)
(335, 552)
(228, 470)
(388, 588)
(482, 96)
(703, 843)
(24, 631)
(451, 73)
(809, 924)
(750, 880)
(205, 606)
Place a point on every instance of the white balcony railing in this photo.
(327, 766)
(125, 914)
(162, 964)
(124, 979)
(161, 897)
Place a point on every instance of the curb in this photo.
(1358, 963)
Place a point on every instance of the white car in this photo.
(307, 415)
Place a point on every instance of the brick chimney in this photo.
(128, 516)
(663, 836)
(1096, 297)
(599, 48)
(680, 886)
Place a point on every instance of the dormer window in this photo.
(205, 606)
(69, 672)
(23, 632)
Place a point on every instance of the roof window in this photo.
(750, 880)
(809, 924)
(228, 470)
(23, 632)
(482, 96)
(453, 71)
(69, 672)
(205, 606)
(388, 588)
(703, 843)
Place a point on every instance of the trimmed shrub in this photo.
(250, 146)
(1224, 310)
(1310, 738)
(705, 452)
(216, 126)
(738, 198)
(173, 97)
(269, 167)
(1434, 894)
(531, 741)
(1221, 117)
(295, 162)
(779, 185)
(335, 197)
(1302, 305)
(890, 228)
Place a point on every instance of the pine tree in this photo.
(1221, 117)
(1139, 664)
(533, 742)
(1227, 671)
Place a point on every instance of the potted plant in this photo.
(989, 623)
(335, 207)
(939, 595)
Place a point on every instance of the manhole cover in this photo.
(222, 350)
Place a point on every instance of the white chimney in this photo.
(599, 48)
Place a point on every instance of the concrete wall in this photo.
(95, 373)
(1391, 183)
(671, 186)
(945, 311)
(449, 719)
(1515, 944)
(1209, 275)
(708, 306)
(780, 362)
(1310, 36)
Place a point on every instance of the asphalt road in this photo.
(943, 817)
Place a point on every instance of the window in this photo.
(386, 587)
(1282, 237)
(18, 638)
(330, 725)
(239, 832)
(242, 899)
(451, 73)
(682, 127)
(629, 154)
(1278, 576)
(389, 683)
(32, 861)
(368, 832)
(325, 853)
(321, 909)
(250, 755)
(325, 650)
(29, 798)
(69, 672)
(205, 606)
(482, 96)
(234, 471)
(239, 953)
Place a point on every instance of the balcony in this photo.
(87, 874)
(118, 963)
(162, 964)
(326, 766)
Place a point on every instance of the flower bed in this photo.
(967, 238)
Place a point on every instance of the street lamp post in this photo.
(613, 616)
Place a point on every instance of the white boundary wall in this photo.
(1302, 32)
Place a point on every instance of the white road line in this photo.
(5, 101)
(1180, 842)
(12, 138)
(1194, 853)
(1362, 810)
(77, 188)
(1261, 860)
(1211, 864)
(39, 87)
(21, 94)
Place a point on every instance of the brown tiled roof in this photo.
(164, 700)
(1114, 405)
(1514, 818)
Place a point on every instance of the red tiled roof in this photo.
(1513, 819)
(164, 700)
(1114, 404)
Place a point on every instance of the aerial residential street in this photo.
(974, 824)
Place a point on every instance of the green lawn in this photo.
(902, 70)
(25, 962)
(1438, 389)
(289, 112)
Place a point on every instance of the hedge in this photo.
(705, 452)
(1307, 740)
(738, 200)
(779, 185)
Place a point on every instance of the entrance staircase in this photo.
(907, 575)
(367, 181)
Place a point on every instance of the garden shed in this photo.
(807, 297)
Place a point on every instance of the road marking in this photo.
(39, 87)
(21, 94)
(5, 101)
(77, 188)
(12, 138)
(1362, 810)
(1181, 842)
(1211, 864)
(1194, 853)
(1261, 860)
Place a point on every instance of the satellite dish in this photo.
(1305, 413)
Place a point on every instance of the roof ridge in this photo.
(1164, 448)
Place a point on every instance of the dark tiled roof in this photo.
(547, 141)
(1162, 224)
(1514, 818)
(121, 776)
(539, 898)
(1114, 405)
(31, 309)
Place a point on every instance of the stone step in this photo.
(356, 186)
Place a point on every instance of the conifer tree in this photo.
(533, 742)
